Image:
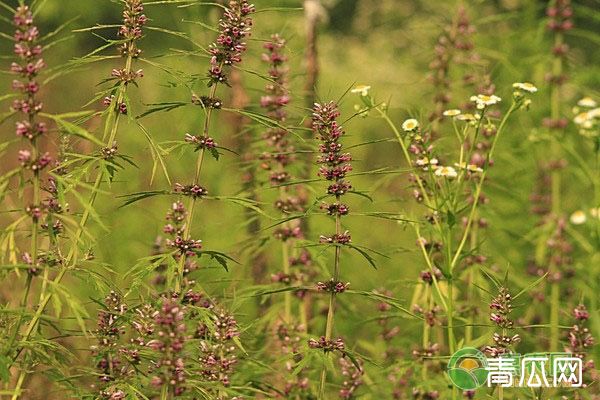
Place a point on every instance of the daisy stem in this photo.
(471, 288)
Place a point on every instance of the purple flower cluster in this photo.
(430, 315)
(131, 30)
(217, 347)
(337, 238)
(277, 97)
(288, 340)
(352, 378)
(278, 154)
(501, 307)
(169, 340)
(195, 191)
(426, 352)
(454, 46)
(580, 339)
(201, 142)
(332, 286)
(334, 163)
(427, 277)
(277, 94)
(176, 228)
(286, 233)
(234, 27)
(28, 127)
(31, 63)
(560, 16)
(327, 345)
(207, 102)
(108, 352)
(388, 330)
(420, 394)
(335, 209)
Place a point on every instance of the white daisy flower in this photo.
(582, 118)
(447, 172)
(363, 90)
(451, 113)
(468, 117)
(595, 212)
(421, 162)
(468, 167)
(578, 218)
(587, 102)
(484, 101)
(410, 125)
(526, 86)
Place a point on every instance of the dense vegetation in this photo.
(294, 199)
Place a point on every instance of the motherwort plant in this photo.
(40, 214)
(335, 165)
(234, 29)
(276, 159)
(42, 194)
(556, 256)
(100, 165)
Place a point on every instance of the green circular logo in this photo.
(467, 368)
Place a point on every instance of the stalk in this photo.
(285, 255)
(451, 339)
(471, 289)
(555, 187)
(192, 202)
(473, 210)
(164, 392)
(332, 300)
(426, 330)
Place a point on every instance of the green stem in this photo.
(478, 188)
(332, 301)
(554, 317)
(164, 392)
(192, 204)
(555, 187)
(426, 330)
(471, 290)
(285, 254)
(18, 386)
(451, 339)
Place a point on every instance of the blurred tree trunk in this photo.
(313, 14)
